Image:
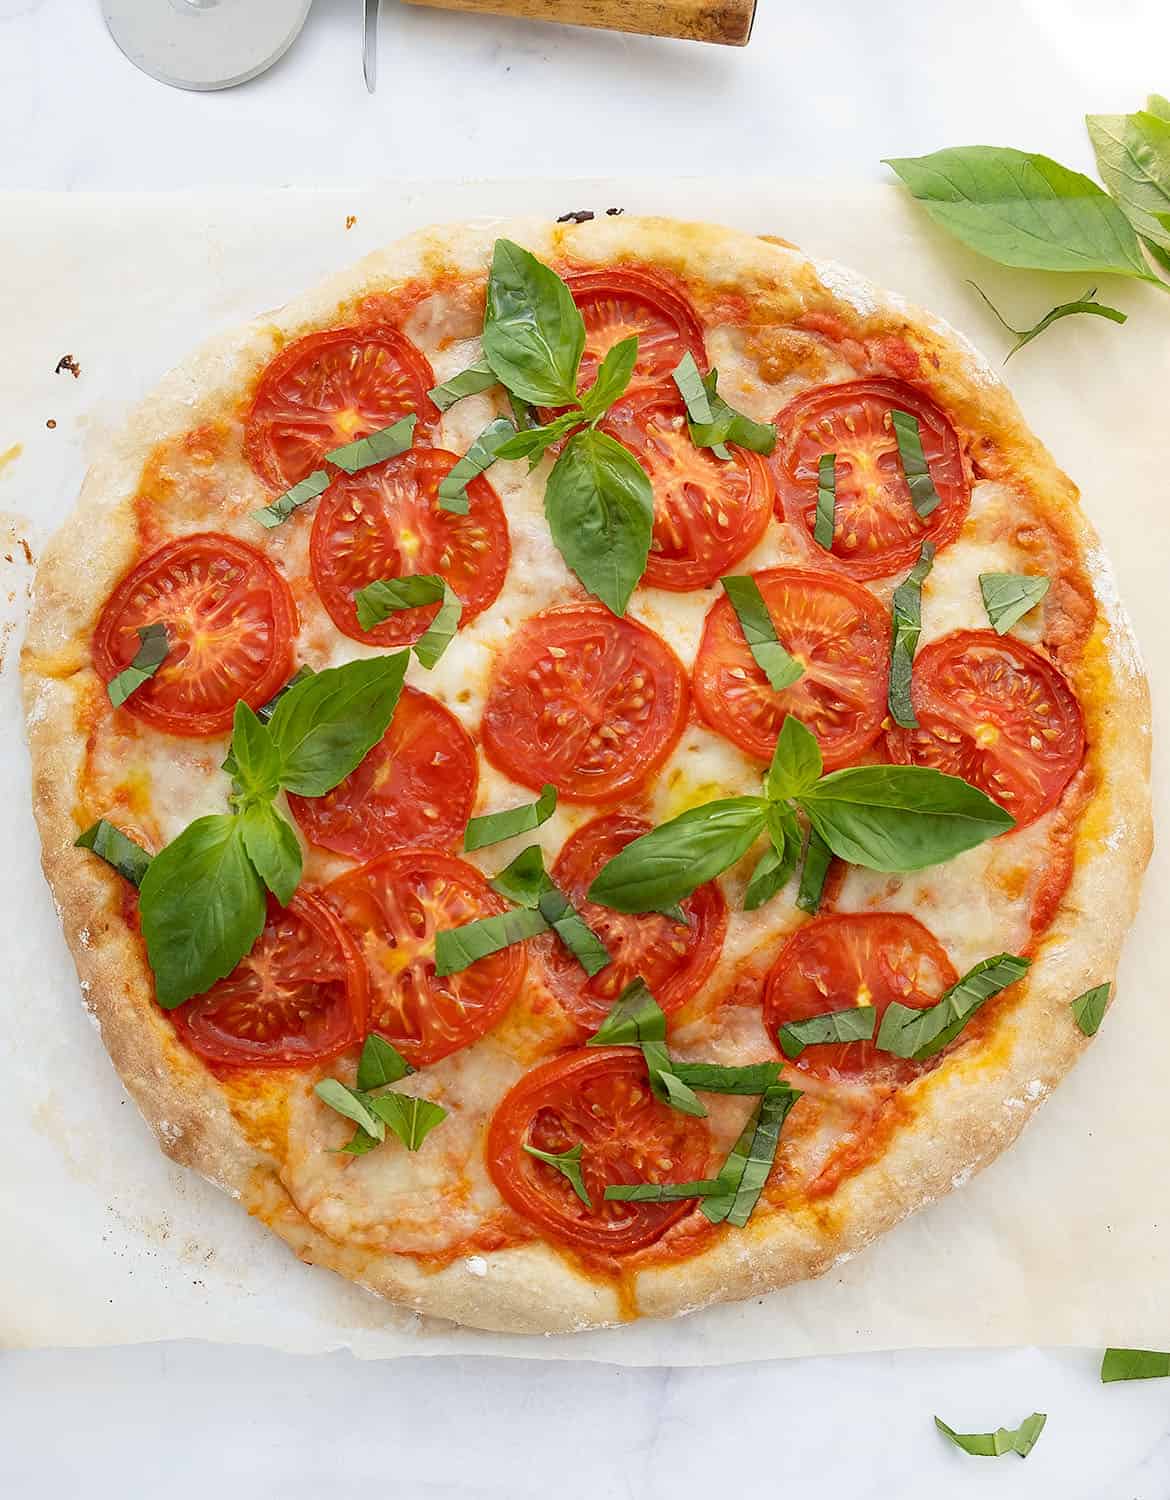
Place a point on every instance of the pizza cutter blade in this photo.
(370, 45)
(204, 44)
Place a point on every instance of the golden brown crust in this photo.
(958, 1117)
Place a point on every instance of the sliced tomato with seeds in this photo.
(328, 389)
(298, 998)
(708, 512)
(589, 702)
(600, 1098)
(623, 300)
(877, 531)
(394, 906)
(673, 959)
(850, 959)
(230, 621)
(386, 522)
(998, 714)
(836, 630)
(416, 786)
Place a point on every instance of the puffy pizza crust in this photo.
(957, 1118)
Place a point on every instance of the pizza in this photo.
(587, 769)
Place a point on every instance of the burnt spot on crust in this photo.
(578, 216)
(68, 362)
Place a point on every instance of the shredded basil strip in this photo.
(714, 1078)
(300, 494)
(380, 1064)
(493, 828)
(568, 1163)
(377, 601)
(1008, 597)
(524, 880)
(760, 633)
(456, 948)
(689, 380)
(480, 456)
(442, 630)
(1021, 1439)
(1089, 1009)
(266, 710)
(577, 936)
(746, 1170)
(666, 1085)
(387, 442)
(1134, 1364)
(817, 859)
(477, 377)
(726, 424)
(914, 465)
(120, 852)
(906, 610)
(855, 1023)
(662, 1192)
(920, 1034)
(826, 522)
(634, 1018)
(150, 655)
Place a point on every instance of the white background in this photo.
(824, 90)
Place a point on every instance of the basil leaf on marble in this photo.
(1089, 1009)
(380, 1064)
(760, 633)
(533, 333)
(118, 850)
(817, 859)
(600, 509)
(1021, 1439)
(276, 513)
(456, 948)
(568, 1163)
(493, 828)
(1008, 597)
(919, 1034)
(906, 612)
(326, 725)
(151, 653)
(855, 1023)
(826, 522)
(923, 495)
(375, 447)
(480, 456)
(746, 1170)
(477, 377)
(384, 597)
(1086, 304)
(1134, 1364)
(411, 1119)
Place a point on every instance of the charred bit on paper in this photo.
(577, 216)
(68, 362)
(350, 220)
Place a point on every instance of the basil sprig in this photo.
(906, 612)
(283, 506)
(923, 495)
(711, 422)
(493, 828)
(477, 377)
(568, 1163)
(1089, 1009)
(372, 1106)
(1134, 1364)
(119, 851)
(375, 447)
(826, 522)
(152, 652)
(1086, 304)
(759, 631)
(920, 1034)
(1008, 597)
(480, 456)
(1020, 1440)
(855, 1023)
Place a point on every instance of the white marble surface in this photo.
(824, 90)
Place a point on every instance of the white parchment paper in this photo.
(1064, 1240)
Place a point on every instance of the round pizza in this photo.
(587, 769)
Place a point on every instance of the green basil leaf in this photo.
(1021, 1439)
(441, 632)
(1158, 104)
(674, 859)
(714, 1078)
(1022, 209)
(747, 1168)
(150, 655)
(778, 861)
(522, 414)
(380, 1064)
(1134, 1364)
(920, 1034)
(384, 597)
(906, 612)
(202, 906)
(817, 859)
(273, 848)
(1089, 1009)
(524, 881)
(1086, 304)
(533, 333)
(689, 379)
(492, 828)
(411, 1119)
(728, 425)
(572, 929)
(533, 442)
(359, 1143)
(376, 447)
(1008, 597)
(613, 377)
(266, 710)
(325, 726)
(855, 1023)
(354, 1104)
(665, 1084)
(600, 510)
(480, 456)
(568, 1163)
(923, 494)
(662, 1192)
(253, 761)
(1133, 158)
(760, 633)
(120, 852)
(796, 761)
(477, 377)
(456, 948)
(300, 494)
(826, 522)
(634, 1018)
(900, 818)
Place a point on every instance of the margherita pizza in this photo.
(586, 769)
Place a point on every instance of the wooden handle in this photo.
(725, 21)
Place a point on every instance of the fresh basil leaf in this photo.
(1158, 105)
(923, 494)
(524, 881)
(522, 414)
(300, 494)
(775, 866)
(151, 654)
(266, 710)
(749, 1164)
(1134, 1364)
(572, 929)
(1086, 304)
(354, 1104)
(674, 859)
(380, 1064)
(492, 828)
(456, 948)
(359, 1143)
(826, 522)
(1089, 1009)
(662, 1192)
(900, 818)
(613, 377)
(533, 442)
(411, 1119)
(384, 597)
(1133, 158)
(856, 1023)
(1021, 1439)
(778, 667)
(689, 379)
(533, 333)
(817, 859)
(253, 761)
(202, 906)
(1023, 209)
(480, 456)
(273, 848)
(477, 377)
(325, 726)
(634, 1018)
(600, 510)
(119, 851)
(729, 426)
(906, 612)
(376, 447)
(568, 1163)
(1008, 597)
(796, 761)
(665, 1084)
(673, 912)
(713, 1078)
(920, 1034)
(441, 632)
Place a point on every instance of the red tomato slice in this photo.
(998, 714)
(589, 702)
(386, 522)
(298, 998)
(329, 389)
(230, 621)
(673, 960)
(600, 1098)
(620, 301)
(416, 786)
(837, 962)
(840, 634)
(708, 512)
(394, 906)
(878, 531)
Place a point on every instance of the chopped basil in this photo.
(376, 447)
(1021, 1439)
(151, 654)
(411, 1119)
(920, 1034)
(724, 424)
(600, 509)
(760, 633)
(118, 850)
(1008, 597)
(689, 380)
(577, 936)
(634, 1018)
(922, 491)
(853, 1024)
(430, 647)
(300, 494)
(1089, 1009)
(661, 1192)
(906, 610)
(568, 1163)
(817, 859)
(747, 1168)
(666, 1085)
(492, 828)
(457, 948)
(826, 522)
(477, 377)
(1134, 1364)
(380, 1064)
(377, 601)
(480, 456)
(265, 711)
(524, 880)
(1087, 304)
(714, 1078)
(533, 333)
